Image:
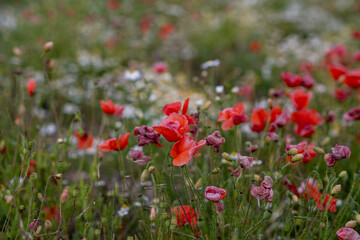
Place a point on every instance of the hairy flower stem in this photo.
(252, 228)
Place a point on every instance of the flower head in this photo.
(215, 140)
(232, 116)
(347, 234)
(146, 135)
(138, 156)
(173, 128)
(108, 107)
(184, 150)
(185, 214)
(31, 85)
(114, 144)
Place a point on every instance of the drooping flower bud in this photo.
(351, 224)
(292, 151)
(48, 46)
(336, 189)
(297, 158)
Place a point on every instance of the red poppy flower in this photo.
(306, 67)
(114, 144)
(165, 31)
(255, 46)
(108, 107)
(160, 67)
(356, 34)
(259, 118)
(345, 233)
(304, 149)
(291, 80)
(341, 94)
(52, 212)
(185, 214)
(175, 107)
(305, 120)
(232, 116)
(84, 141)
(145, 24)
(173, 127)
(357, 56)
(31, 85)
(321, 204)
(307, 81)
(118, 111)
(300, 99)
(336, 55)
(352, 79)
(337, 71)
(184, 150)
(32, 168)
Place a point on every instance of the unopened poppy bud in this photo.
(144, 176)
(207, 105)
(172, 227)
(336, 189)
(270, 103)
(343, 174)
(48, 224)
(322, 224)
(48, 46)
(215, 171)
(167, 223)
(292, 151)
(248, 144)
(97, 232)
(33, 177)
(40, 197)
(226, 156)
(76, 192)
(319, 150)
(64, 195)
(21, 208)
(295, 198)
(17, 51)
(152, 214)
(164, 215)
(357, 217)
(173, 220)
(151, 169)
(325, 141)
(320, 184)
(351, 224)
(198, 183)
(297, 158)
(58, 176)
(8, 198)
(267, 139)
(257, 177)
(50, 64)
(267, 214)
(38, 229)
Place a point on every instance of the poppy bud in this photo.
(226, 156)
(198, 183)
(144, 176)
(336, 189)
(8, 198)
(58, 176)
(257, 177)
(297, 158)
(320, 184)
(343, 174)
(48, 46)
(292, 151)
(50, 64)
(17, 51)
(173, 220)
(357, 217)
(64, 195)
(270, 103)
(295, 198)
(48, 224)
(152, 214)
(325, 141)
(322, 224)
(207, 105)
(319, 150)
(215, 171)
(351, 224)
(38, 229)
(151, 169)
(40, 197)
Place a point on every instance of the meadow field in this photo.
(170, 119)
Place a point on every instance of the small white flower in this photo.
(219, 89)
(99, 183)
(257, 162)
(210, 63)
(124, 210)
(199, 102)
(137, 204)
(235, 89)
(48, 129)
(132, 75)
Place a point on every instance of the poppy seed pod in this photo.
(336, 189)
